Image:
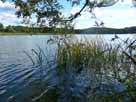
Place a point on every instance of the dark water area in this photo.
(20, 80)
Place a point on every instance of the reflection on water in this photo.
(18, 78)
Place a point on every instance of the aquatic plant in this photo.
(89, 71)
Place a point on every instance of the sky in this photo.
(119, 15)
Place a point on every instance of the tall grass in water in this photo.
(91, 71)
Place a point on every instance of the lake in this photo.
(20, 80)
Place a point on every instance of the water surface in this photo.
(20, 80)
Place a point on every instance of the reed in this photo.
(91, 71)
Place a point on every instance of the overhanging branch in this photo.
(95, 4)
(78, 13)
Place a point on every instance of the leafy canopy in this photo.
(49, 10)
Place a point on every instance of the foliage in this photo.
(9, 29)
(1, 27)
(48, 12)
(91, 71)
(25, 29)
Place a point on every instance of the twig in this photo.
(130, 57)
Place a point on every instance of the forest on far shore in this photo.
(26, 29)
(63, 30)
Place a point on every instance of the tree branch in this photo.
(78, 13)
(130, 57)
(104, 4)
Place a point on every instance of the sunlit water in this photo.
(20, 80)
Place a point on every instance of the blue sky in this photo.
(119, 15)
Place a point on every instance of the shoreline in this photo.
(31, 33)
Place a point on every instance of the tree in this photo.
(49, 10)
(1, 27)
(9, 29)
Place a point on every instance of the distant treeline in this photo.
(104, 30)
(54, 30)
(25, 29)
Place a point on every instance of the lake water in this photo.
(18, 77)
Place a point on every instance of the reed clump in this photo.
(93, 71)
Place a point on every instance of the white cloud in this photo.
(9, 18)
(7, 14)
(126, 1)
(75, 9)
(120, 15)
(119, 12)
(7, 6)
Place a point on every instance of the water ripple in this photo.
(17, 82)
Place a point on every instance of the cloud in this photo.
(9, 18)
(119, 15)
(75, 9)
(6, 6)
(7, 14)
(126, 1)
